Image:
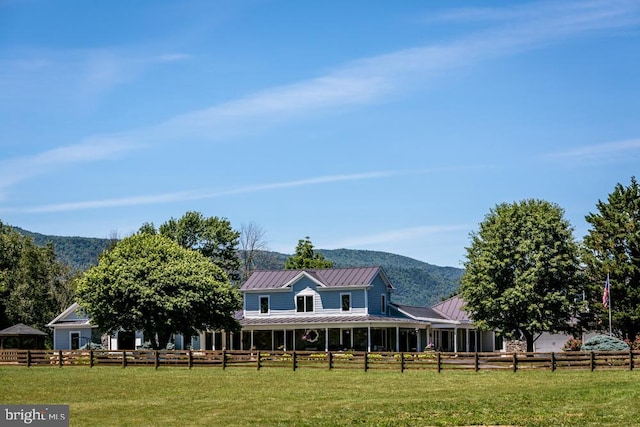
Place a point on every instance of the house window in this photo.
(75, 340)
(264, 304)
(383, 304)
(345, 302)
(304, 303)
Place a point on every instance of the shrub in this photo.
(572, 344)
(604, 343)
(635, 344)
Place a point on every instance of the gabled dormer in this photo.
(322, 292)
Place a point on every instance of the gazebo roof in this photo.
(20, 330)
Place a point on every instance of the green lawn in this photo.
(139, 396)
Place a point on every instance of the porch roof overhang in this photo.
(330, 322)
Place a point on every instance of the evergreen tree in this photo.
(613, 247)
(306, 258)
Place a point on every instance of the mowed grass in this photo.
(143, 396)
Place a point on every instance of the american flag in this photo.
(605, 293)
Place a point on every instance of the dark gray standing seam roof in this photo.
(20, 329)
(329, 277)
(423, 312)
(452, 309)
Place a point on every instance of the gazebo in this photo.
(22, 337)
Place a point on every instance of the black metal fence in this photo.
(294, 360)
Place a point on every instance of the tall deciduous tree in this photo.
(306, 257)
(252, 245)
(613, 247)
(34, 286)
(521, 272)
(213, 237)
(150, 283)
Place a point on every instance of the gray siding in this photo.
(62, 337)
(378, 288)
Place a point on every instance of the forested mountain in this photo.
(416, 282)
(78, 252)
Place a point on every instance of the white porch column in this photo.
(326, 339)
(455, 340)
(397, 338)
(252, 340)
(467, 338)
(369, 338)
(285, 340)
(418, 346)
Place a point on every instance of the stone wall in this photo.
(516, 346)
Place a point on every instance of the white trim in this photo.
(342, 310)
(71, 340)
(299, 277)
(268, 297)
(73, 307)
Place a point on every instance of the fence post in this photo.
(156, 357)
(553, 361)
(258, 359)
(60, 358)
(224, 359)
(401, 362)
(293, 359)
(190, 359)
(91, 358)
(330, 357)
(630, 359)
(439, 361)
(28, 358)
(366, 361)
(476, 362)
(593, 361)
(124, 358)
(515, 361)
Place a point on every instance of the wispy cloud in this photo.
(13, 171)
(394, 236)
(200, 194)
(603, 153)
(371, 80)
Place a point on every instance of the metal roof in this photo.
(315, 320)
(421, 312)
(20, 329)
(452, 309)
(329, 277)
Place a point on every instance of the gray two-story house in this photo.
(326, 309)
(313, 309)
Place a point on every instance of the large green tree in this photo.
(613, 247)
(306, 257)
(213, 237)
(150, 283)
(521, 271)
(34, 286)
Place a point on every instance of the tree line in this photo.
(524, 273)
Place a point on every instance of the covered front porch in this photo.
(357, 334)
(463, 338)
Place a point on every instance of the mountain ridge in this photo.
(417, 282)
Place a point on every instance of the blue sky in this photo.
(391, 126)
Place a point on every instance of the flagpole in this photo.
(609, 304)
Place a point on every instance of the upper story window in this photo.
(264, 304)
(383, 304)
(345, 301)
(304, 303)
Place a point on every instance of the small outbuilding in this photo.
(22, 337)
